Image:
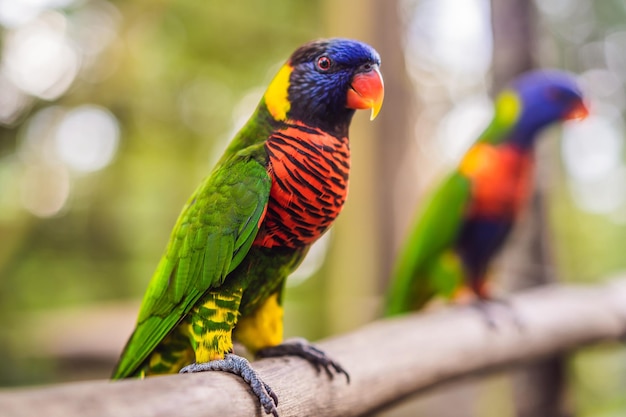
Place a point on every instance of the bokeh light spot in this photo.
(462, 125)
(592, 148)
(86, 138)
(38, 57)
(447, 32)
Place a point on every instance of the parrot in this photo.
(278, 186)
(463, 224)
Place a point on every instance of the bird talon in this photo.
(303, 349)
(271, 393)
(241, 367)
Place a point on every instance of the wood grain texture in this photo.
(387, 360)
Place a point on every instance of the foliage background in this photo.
(111, 112)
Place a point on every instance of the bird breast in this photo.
(501, 179)
(309, 171)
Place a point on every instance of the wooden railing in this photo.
(388, 360)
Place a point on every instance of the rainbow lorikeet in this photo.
(468, 218)
(278, 187)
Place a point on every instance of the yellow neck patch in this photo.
(276, 95)
(508, 108)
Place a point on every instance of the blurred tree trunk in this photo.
(351, 271)
(539, 388)
(513, 39)
(394, 137)
(365, 233)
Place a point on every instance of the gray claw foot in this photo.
(241, 367)
(303, 349)
(485, 307)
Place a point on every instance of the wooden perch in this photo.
(387, 360)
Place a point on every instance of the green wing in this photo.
(211, 237)
(425, 256)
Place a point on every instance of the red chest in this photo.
(501, 180)
(309, 171)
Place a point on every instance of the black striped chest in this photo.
(309, 171)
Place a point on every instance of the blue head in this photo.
(545, 96)
(326, 81)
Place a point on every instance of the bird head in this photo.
(537, 99)
(324, 82)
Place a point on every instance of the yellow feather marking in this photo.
(155, 358)
(508, 108)
(276, 95)
(211, 344)
(214, 345)
(171, 355)
(264, 328)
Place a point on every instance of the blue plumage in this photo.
(318, 93)
(546, 96)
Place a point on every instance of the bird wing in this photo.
(211, 237)
(430, 239)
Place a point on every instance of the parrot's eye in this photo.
(323, 63)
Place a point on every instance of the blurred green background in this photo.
(111, 112)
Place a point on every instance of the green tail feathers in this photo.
(426, 267)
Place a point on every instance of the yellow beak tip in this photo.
(375, 110)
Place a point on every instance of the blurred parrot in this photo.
(467, 219)
(278, 187)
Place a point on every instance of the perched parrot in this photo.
(278, 187)
(467, 219)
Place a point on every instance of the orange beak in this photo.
(366, 92)
(579, 112)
